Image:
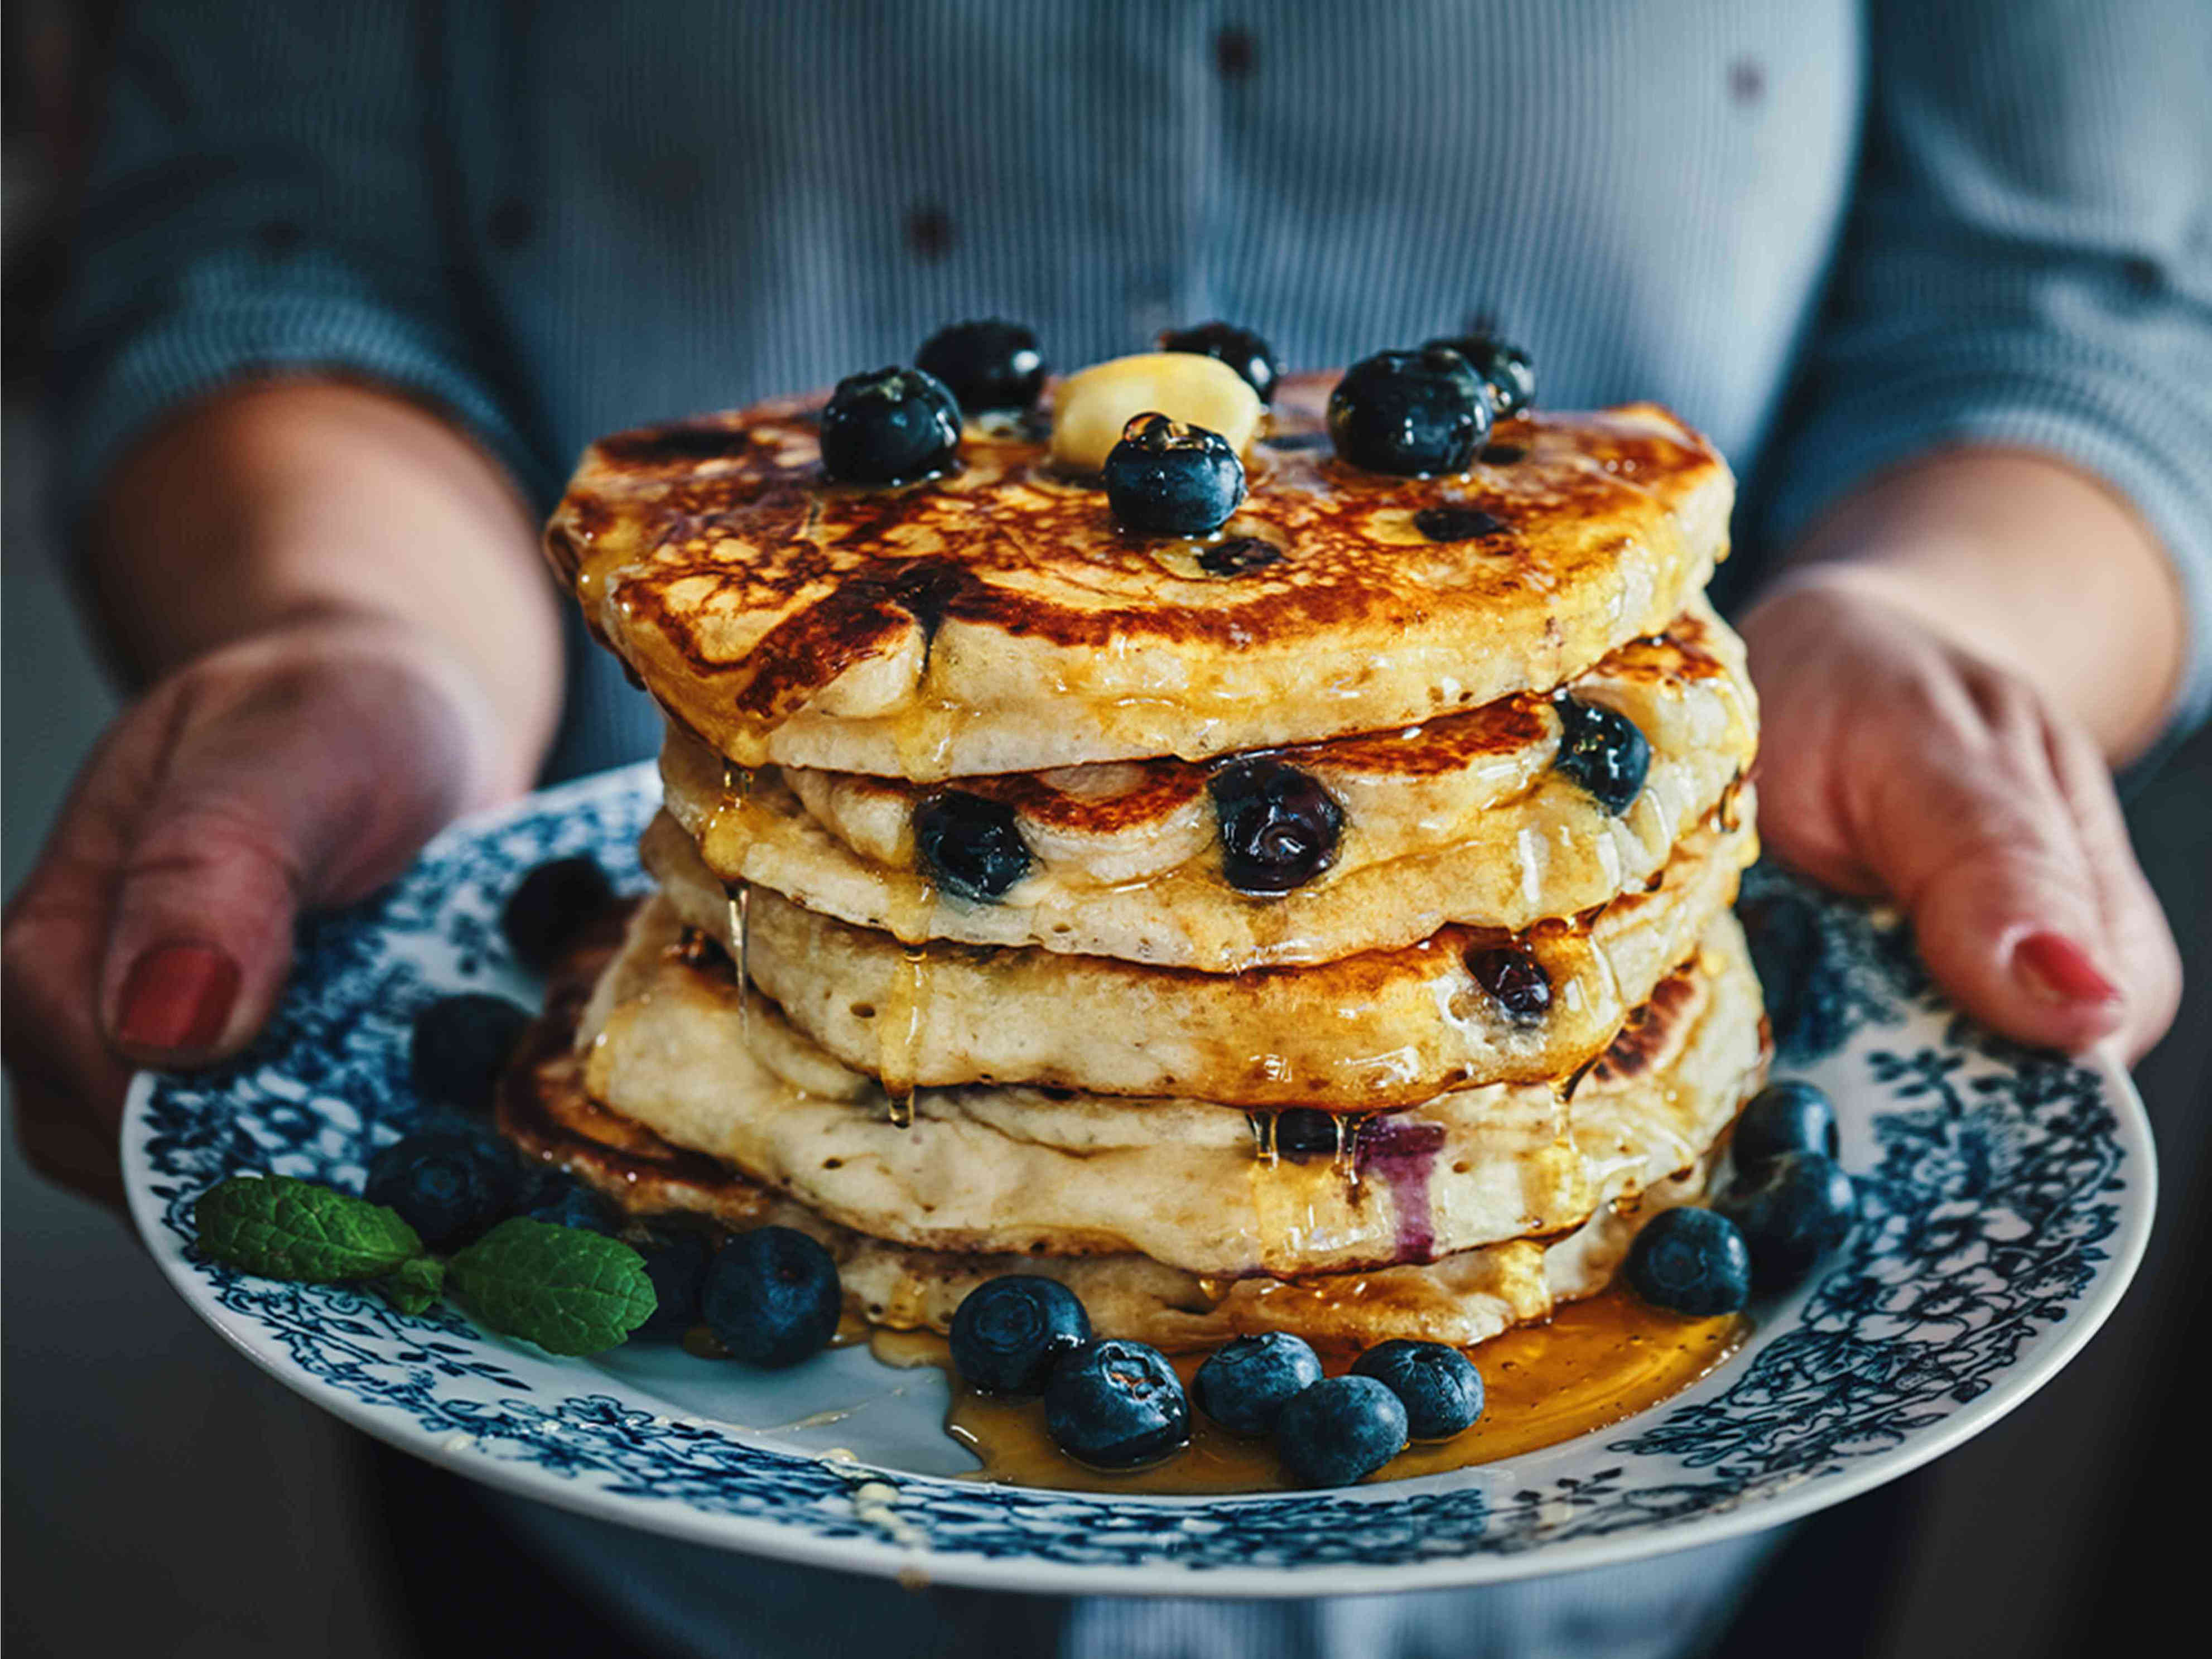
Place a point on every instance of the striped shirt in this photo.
(1832, 234)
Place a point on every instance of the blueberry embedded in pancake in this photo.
(999, 619)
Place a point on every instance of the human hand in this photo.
(1896, 762)
(296, 767)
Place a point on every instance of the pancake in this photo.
(1382, 1029)
(1461, 1299)
(1464, 820)
(999, 620)
(1185, 1182)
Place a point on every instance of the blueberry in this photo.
(460, 1046)
(1303, 1132)
(1164, 478)
(1505, 369)
(1689, 1261)
(1438, 1386)
(1246, 1382)
(449, 1184)
(772, 1297)
(1411, 413)
(1115, 1405)
(1279, 828)
(1799, 970)
(892, 426)
(677, 1268)
(1515, 980)
(574, 1205)
(1783, 1118)
(1340, 1430)
(1456, 524)
(971, 844)
(1603, 751)
(550, 906)
(1009, 1332)
(1797, 1209)
(1252, 357)
(1238, 554)
(985, 365)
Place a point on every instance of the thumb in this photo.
(295, 779)
(1980, 849)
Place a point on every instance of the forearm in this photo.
(278, 505)
(2024, 561)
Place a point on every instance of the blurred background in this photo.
(163, 1497)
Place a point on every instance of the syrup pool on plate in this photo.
(1592, 1365)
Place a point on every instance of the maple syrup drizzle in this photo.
(899, 1020)
(736, 794)
(1594, 1364)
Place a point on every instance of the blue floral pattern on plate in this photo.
(2005, 1199)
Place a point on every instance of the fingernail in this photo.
(2058, 971)
(177, 997)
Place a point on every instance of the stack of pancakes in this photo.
(1422, 1082)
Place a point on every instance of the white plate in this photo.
(2005, 1197)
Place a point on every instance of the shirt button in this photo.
(1235, 54)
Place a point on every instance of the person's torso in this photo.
(685, 207)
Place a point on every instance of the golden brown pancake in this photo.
(1365, 1033)
(1463, 819)
(999, 620)
(669, 1045)
(1460, 1298)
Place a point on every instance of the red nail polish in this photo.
(178, 997)
(2058, 970)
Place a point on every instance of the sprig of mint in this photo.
(280, 1228)
(567, 1290)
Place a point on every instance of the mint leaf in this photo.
(568, 1290)
(414, 1286)
(280, 1228)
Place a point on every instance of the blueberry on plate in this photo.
(1409, 413)
(891, 427)
(447, 1183)
(1505, 369)
(772, 1297)
(1115, 1405)
(1511, 977)
(1689, 1261)
(1340, 1430)
(1009, 1332)
(1438, 1386)
(571, 1204)
(1794, 1211)
(1783, 1118)
(1164, 478)
(1279, 828)
(985, 365)
(460, 1046)
(970, 844)
(550, 906)
(1246, 1382)
(1252, 357)
(677, 1268)
(1603, 751)
(1799, 970)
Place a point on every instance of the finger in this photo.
(1969, 830)
(2139, 941)
(56, 927)
(307, 785)
(61, 1140)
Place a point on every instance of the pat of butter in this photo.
(1089, 410)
